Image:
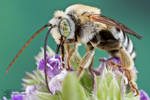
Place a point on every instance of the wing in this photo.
(108, 21)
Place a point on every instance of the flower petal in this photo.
(17, 96)
(143, 95)
(30, 89)
(4, 98)
(54, 65)
(55, 84)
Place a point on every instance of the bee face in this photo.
(64, 26)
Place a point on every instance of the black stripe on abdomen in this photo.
(114, 53)
(95, 39)
(128, 45)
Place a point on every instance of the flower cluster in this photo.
(107, 84)
(27, 95)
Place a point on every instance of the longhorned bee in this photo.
(81, 24)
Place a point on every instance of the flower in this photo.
(111, 82)
(40, 55)
(113, 59)
(30, 89)
(55, 84)
(143, 95)
(27, 95)
(113, 63)
(17, 96)
(54, 65)
(106, 63)
(56, 73)
(4, 98)
(30, 93)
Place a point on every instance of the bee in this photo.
(81, 24)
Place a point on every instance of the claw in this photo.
(111, 63)
(134, 88)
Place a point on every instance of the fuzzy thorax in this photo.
(80, 9)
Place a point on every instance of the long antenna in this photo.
(33, 36)
(45, 58)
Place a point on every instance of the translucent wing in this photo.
(108, 21)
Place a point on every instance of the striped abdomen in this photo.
(126, 42)
(111, 39)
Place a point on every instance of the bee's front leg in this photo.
(63, 54)
(70, 53)
(67, 48)
(87, 59)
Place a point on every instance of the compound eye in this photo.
(64, 27)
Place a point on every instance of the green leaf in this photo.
(36, 78)
(131, 96)
(86, 82)
(33, 79)
(50, 51)
(72, 90)
(75, 60)
(109, 87)
(46, 96)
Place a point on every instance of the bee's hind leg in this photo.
(131, 82)
(127, 65)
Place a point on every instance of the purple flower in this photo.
(54, 65)
(143, 95)
(113, 59)
(56, 73)
(55, 84)
(17, 96)
(27, 95)
(105, 63)
(4, 98)
(30, 93)
(30, 89)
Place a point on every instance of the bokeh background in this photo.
(19, 19)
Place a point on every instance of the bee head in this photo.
(63, 26)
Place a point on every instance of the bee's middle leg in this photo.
(87, 59)
(92, 73)
(90, 68)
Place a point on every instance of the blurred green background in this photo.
(19, 19)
